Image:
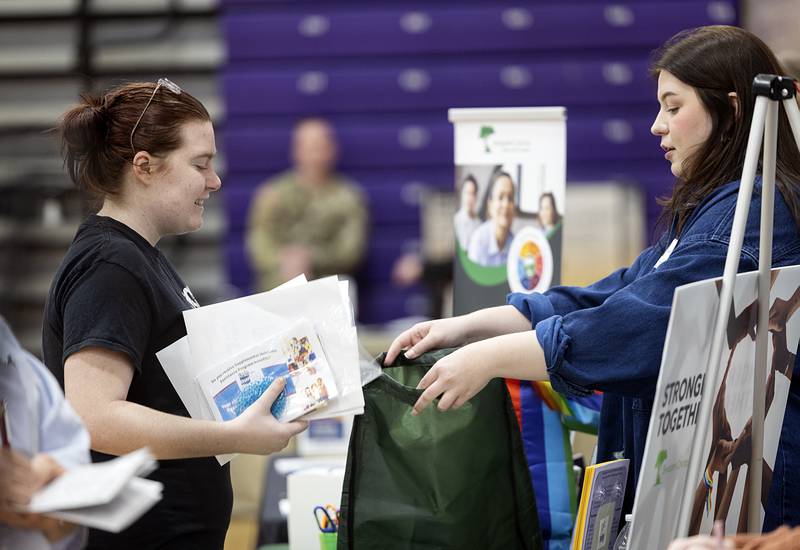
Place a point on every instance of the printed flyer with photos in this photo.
(294, 354)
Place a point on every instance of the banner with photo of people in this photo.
(510, 178)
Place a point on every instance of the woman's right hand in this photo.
(428, 335)
(257, 432)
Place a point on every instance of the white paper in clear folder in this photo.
(219, 330)
(181, 365)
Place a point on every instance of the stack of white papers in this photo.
(105, 495)
(220, 335)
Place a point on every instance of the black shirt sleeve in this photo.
(110, 309)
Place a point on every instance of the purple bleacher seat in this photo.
(385, 73)
(238, 266)
(286, 31)
(375, 145)
(632, 171)
(386, 205)
(385, 244)
(236, 202)
(392, 198)
(427, 144)
(379, 303)
(428, 85)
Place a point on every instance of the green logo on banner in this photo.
(481, 274)
(486, 131)
(660, 459)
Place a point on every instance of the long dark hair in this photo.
(715, 61)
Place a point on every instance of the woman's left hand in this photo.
(457, 377)
(462, 374)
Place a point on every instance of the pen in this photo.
(4, 425)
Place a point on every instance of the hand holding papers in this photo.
(294, 354)
(219, 333)
(107, 495)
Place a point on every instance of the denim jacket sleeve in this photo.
(616, 346)
(566, 299)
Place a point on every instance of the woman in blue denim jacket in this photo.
(610, 335)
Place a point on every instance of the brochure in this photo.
(600, 505)
(218, 331)
(294, 354)
(108, 495)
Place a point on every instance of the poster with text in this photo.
(722, 488)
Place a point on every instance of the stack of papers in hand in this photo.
(248, 331)
(294, 354)
(105, 495)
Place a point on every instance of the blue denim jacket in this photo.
(610, 335)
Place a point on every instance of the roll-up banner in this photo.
(510, 176)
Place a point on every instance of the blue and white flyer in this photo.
(294, 354)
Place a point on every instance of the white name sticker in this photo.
(667, 253)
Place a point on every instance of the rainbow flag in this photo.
(545, 418)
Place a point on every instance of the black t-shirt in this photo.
(116, 291)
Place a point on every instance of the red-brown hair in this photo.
(95, 135)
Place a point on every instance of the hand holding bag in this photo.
(455, 479)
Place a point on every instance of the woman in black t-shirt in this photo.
(143, 152)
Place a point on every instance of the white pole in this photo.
(754, 518)
(790, 106)
(728, 280)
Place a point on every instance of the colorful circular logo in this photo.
(530, 262)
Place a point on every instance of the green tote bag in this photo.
(455, 479)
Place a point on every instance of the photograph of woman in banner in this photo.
(549, 217)
(490, 243)
(609, 336)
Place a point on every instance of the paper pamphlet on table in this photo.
(106, 495)
(322, 301)
(294, 354)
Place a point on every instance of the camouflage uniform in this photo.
(329, 220)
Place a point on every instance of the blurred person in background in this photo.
(308, 220)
